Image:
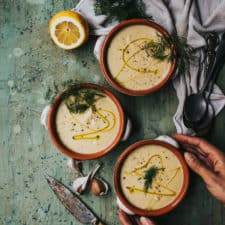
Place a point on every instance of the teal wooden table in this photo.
(29, 64)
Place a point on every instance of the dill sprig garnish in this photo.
(159, 50)
(149, 176)
(76, 100)
(79, 100)
(52, 92)
(184, 53)
(120, 9)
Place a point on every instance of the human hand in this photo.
(126, 219)
(207, 161)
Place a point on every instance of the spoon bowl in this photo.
(205, 124)
(195, 108)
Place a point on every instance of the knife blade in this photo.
(75, 206)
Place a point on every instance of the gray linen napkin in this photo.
(189, 18)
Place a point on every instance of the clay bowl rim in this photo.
(165, 209)
(52, 129)
(103, 57)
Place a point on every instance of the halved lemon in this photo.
(68, 29)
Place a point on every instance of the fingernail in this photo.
(188, 156)
(146, 221)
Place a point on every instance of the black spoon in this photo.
(205, 124)
(196, 106)
(193, 111)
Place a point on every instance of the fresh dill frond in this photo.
(149, 176)
(78, 101)
(52, 92)
(48, 94)
(158, 49)
(184, 53)
(120, 9)
(67, 83)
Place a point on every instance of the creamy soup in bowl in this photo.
(86, 121)
(151, 178)
(136, 57)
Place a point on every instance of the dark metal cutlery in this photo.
(198, 112)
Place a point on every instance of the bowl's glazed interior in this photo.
(122, 165)
(52, 127)
(126, 64)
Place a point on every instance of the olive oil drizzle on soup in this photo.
(90, 131)
(166, 184)
(128, 62)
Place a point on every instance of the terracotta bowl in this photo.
(119, 191)
(52, 126)
(103, 57)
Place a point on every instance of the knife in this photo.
(75, 206)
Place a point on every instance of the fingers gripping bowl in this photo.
(151, 178)
(137, 58)
(86, 121)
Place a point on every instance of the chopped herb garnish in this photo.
(78, 101)
(159, 50)
(149, 176)
(120, 9)
(184, 53)
(48, 93)
(52, 92)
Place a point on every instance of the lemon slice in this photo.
(68, 29)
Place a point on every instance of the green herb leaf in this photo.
(120, 9)
(52, 92)
(184, 53)
(149, 176)
(158, 49)
(78, 101)
(48, 93)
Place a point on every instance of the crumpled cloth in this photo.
(191, 19)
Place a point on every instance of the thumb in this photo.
(198, 167)
(124, 218)
(146, 221)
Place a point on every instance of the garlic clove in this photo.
(80, 185)
(99, 187)
(94, 170)
(75, 165)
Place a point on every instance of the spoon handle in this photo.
(209, 61)
(212, 40)
(218, 63)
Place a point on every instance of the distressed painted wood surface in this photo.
(29, 64)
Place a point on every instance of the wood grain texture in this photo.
(29, 64)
